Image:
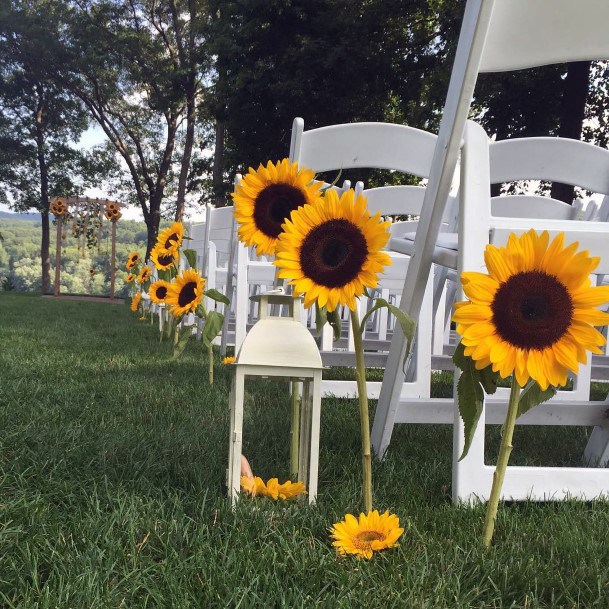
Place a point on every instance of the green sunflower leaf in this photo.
(321, 317)
(191, 256)
(217, 296)
(212, 327)
(182, 342)
(336, 323)
(200, 311)
(489, 379)
(165, 275)
(532, 396)
(470, 399)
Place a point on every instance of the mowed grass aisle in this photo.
(112, 468)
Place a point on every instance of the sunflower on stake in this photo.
(183, 292)
(532, 318)
(330, 251)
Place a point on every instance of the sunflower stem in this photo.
(295, 432)
(362, 394)
(502, 460)
(211, 363)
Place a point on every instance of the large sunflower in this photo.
(162, 259)
(144, 275)
(158, 291)
(184, 294)
(371, 533)
(266, 197)
(533, 314)
(331, 250)
(170, 240)
(135, 301)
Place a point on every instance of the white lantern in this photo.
(279, 348)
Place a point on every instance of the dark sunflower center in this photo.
(532, 310)
(187, 293)
(165, 260)
(333, 253)
(161, 292)
(364, 539)
(169, 242)
(274, 205)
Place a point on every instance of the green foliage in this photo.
(213, 326)
(470, 389)
(532, 395)
(20, 257)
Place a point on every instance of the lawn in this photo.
(112, 468)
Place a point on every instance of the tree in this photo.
(136, 68)
(37, 120)
(329, 61)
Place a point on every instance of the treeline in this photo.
(82, 271)
(190, 92)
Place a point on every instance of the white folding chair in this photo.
(380, 146)
(496, 35)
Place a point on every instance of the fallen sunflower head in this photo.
(368, 534)
(256, 487)
(253, 486)
(331, 250)
(266, 197)
(185, 293)
(534, 314)
(135, 301)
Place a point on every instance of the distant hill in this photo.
(7, 215)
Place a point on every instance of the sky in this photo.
(94, 136)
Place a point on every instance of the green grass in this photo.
(112, 463)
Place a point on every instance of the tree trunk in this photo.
(218, 168)
(572, 111)
(44, 192)
(191, 108)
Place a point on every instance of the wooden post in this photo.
(58, 255)
(112, 267)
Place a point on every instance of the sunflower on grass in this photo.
(265, 198)
(331, 250)
(132, 260)
(531, 317)
(169, 240)
(135, 301)
(185, 293)
(144, 275)
(158, 291)
(370, 533)
(256, 487)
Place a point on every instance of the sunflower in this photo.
(266, 197)
(185, 293)
(287, 490)
(132, 260)
(363, 537)
(533, 314)
(331, 250)
(135, 301)
(253, 486)
(229, 360)
(144, 275)
(59, 207)
(130, 277)
(158, 291)
(162, 259)
(170, 240)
